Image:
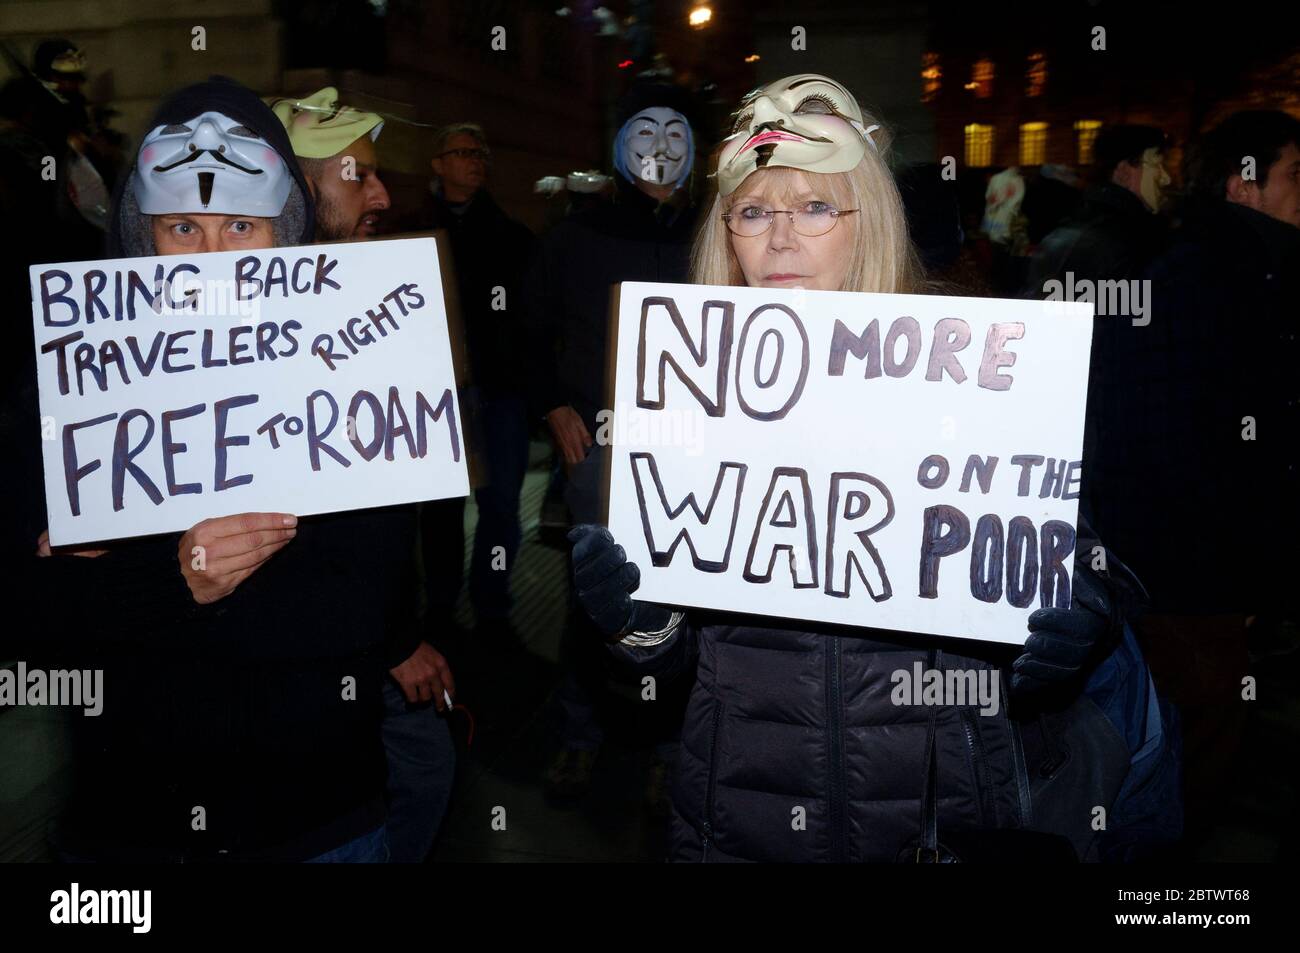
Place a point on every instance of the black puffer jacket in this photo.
(782, 718)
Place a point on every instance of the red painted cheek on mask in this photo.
(146, 155)
(271, 159)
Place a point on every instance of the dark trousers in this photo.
(582, 692)
(421, 769)
(442, 543)
(502, 432)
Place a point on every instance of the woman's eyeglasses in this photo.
(810, 219)
(465, 154)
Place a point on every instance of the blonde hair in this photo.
(882, 256)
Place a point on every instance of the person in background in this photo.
(1007, 230)
(1113, 236)
(574, 194)
(1196, 478)
(490, 252)
(1116, 231)
(337, 150)
(642, 234)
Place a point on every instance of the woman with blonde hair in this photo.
(874, 254)
(791, 749)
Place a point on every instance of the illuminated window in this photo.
(931, 74)
(981, 79)
(1033, 143)
(979, 145)
(1036, 74)
(1085, 133)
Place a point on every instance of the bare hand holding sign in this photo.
(291, 380)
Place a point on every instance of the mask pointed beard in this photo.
(205, 188)
(655, 146)
(652, 169)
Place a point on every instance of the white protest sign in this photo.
(301, 380)
(897, 461)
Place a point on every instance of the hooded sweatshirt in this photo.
(130, 232)
(249, 728)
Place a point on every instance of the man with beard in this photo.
(335, 146)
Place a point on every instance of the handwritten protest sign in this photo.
(897, 461)
(303, 380)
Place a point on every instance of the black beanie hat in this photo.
(129, 234)
(645, 94)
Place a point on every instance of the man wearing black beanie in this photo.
(643, 235)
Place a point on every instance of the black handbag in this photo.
(973, 845)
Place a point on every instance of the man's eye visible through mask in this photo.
(174, 129)
(742, 122)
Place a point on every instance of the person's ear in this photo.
(1126, 175)
(1241, 192)
(436, 166)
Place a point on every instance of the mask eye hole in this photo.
(742, 122)
(243, 132)
(174, 129)
(818, 104)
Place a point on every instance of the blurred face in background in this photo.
(780, 256)
(1147, 178)
(350, 198)
(1153, 180)
(1277, 194)
(462, 167)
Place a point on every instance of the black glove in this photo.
(605, 581)
(1061, 641)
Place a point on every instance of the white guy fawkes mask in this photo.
(807, 122)
(656, 146)
(210, 164)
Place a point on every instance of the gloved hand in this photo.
(1061, 641)
(605, 581)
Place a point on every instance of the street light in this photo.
(700, 17)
